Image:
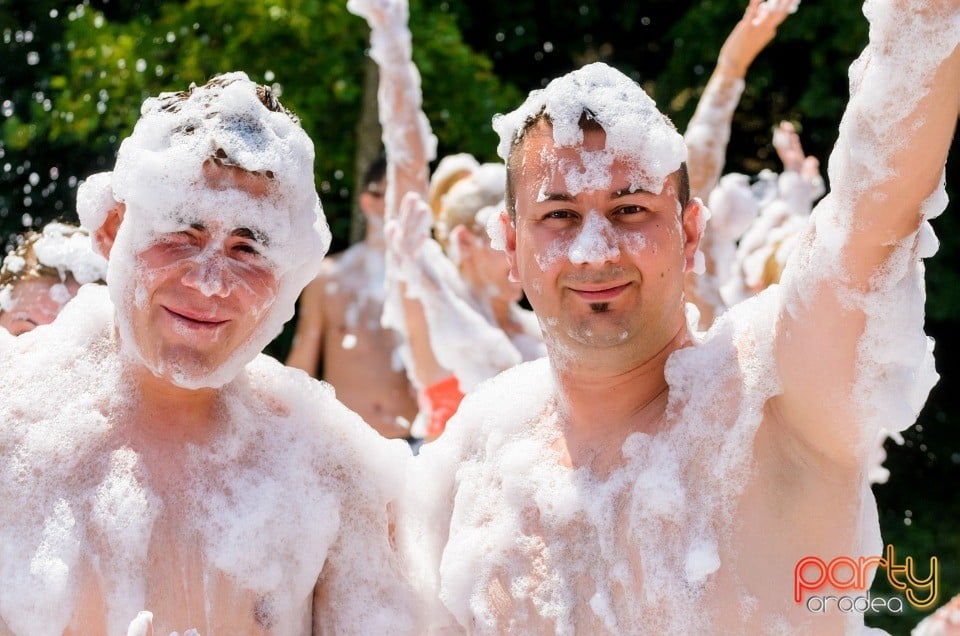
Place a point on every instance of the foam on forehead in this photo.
(636, 132)
(227, 121)
(161, 177)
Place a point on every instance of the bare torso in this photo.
(247, 520)
(358, 356)
(696, 528)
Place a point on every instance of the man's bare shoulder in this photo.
(308, 409)
(499, 406)
(339, 274)
(733, 358)
(342, 263)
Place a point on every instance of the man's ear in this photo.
(106, 234)
(510, 245)
(693, 221)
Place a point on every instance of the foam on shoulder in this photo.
(294, 485)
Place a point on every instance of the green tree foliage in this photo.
(110, 58)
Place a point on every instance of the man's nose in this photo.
(596, 242)
(208, 275)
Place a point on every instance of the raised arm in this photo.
(849, 346)
(409, 144)
(306, 351)
(708, 132)
(446, 335)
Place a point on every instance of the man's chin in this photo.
(603, 329)
(190, 371)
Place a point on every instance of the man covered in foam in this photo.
(339, 318)
(151, 458)
(643, 480)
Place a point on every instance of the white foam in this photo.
(158, 179)
(89, 505)
(471, 199)
(595, 243)
(14, 263)
(636, 132)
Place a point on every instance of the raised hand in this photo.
(407, 231)
(380, 13)
(754, 32)
(786, 141)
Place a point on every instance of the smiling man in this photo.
(647, 478)
(151, 458)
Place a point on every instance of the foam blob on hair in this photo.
(636, 131)
(69, 251)
(469, 196)
(160, 179)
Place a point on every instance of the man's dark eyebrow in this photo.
(555, 196)
(199, 227)
(253, 235)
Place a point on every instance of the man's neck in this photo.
(163, 410)
(601, 404)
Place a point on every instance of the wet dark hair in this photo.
(375, 173)
(171, 102)
(587, 123)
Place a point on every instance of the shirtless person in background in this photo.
(339, 323)
(151, 458)
(339, 338)
(640, 479)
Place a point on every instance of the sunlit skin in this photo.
(331, 310)
(179, 323)
(33, 304)
(612, 316)
(627, 293)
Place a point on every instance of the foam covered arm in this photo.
(444, 332)
(306, 351)
(708, 132)
(850, 348)
(409, 143)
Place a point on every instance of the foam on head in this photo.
(451, 169)
(468, 199)
(159, 178)
(637, 133)
(59, 252)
